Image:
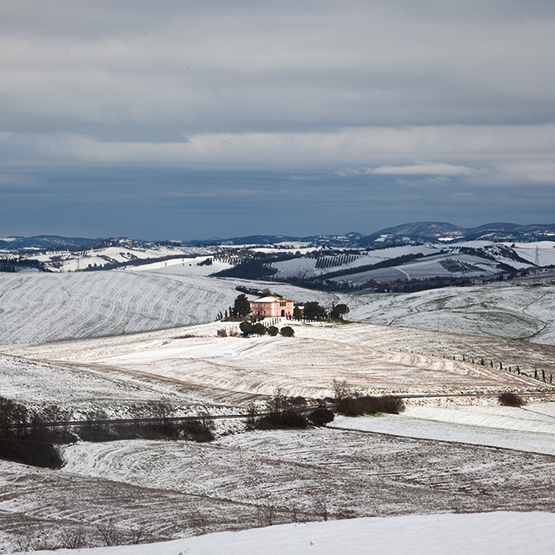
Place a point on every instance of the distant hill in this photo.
(44, 242)
(405, 234)
(411, 233)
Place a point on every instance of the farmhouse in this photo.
(272, 305)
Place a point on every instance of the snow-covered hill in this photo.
(477, 259)
(113, 255)
(519, 312)
(496, 533)
(41, 307)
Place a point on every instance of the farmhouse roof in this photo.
(271, 299)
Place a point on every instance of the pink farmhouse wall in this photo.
(272, 307)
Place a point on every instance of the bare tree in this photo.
(341, 389)
(110, 534)
(266, 514)
(74, 538)
(136, 534)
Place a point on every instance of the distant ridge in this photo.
(44, 242)
(410, 233)
(416, 232)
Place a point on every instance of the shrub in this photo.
(98, 433)
(313, 311)
(92, 430)
(371, 405)
(320, 417)
(259, 329)
(287, 331)
(392, 405)
(25, 436)
(339, 310)
(273, 331)
(282, 413)
(341, 389)
(349, 406)
(511, 400)
(246, 328)
(280, 420)
(200, 430)
(34, 453)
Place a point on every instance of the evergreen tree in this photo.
(313, 311)
(242, 306)
(339, 310)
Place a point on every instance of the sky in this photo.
(193, 119)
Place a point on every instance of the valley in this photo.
(122, 341)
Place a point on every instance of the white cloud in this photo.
(425, 168)
(422, 94)
(486, 154)
(137, 70)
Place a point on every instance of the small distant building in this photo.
(272, 306)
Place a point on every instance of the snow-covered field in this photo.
(523, 312)
(459, 260)
(36, 308)
(492, 533)
(530, 428)
(70, 261)
(184, 266)
(176, 489)
(543, 251)
(237, 368)
(434, 459)
(85, 387)
(444, 344)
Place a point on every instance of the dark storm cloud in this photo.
(338, 100)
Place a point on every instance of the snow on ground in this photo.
(85, 387)
(47, 307)
(184, 266)
(545, 251)
(531, 428)
(449, 261)
(176, 489)
(36, 308)
(346, 472)
(524, 312)
(70, 261)
(306, 267)
(492, 533)
(429, 268)
(443, 344)
(306, 364)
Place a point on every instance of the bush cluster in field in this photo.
(26, 437)
(258, 328)
(358, 406)
(511, 400)
(284, 412)
(200, 430)
(29, 436)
